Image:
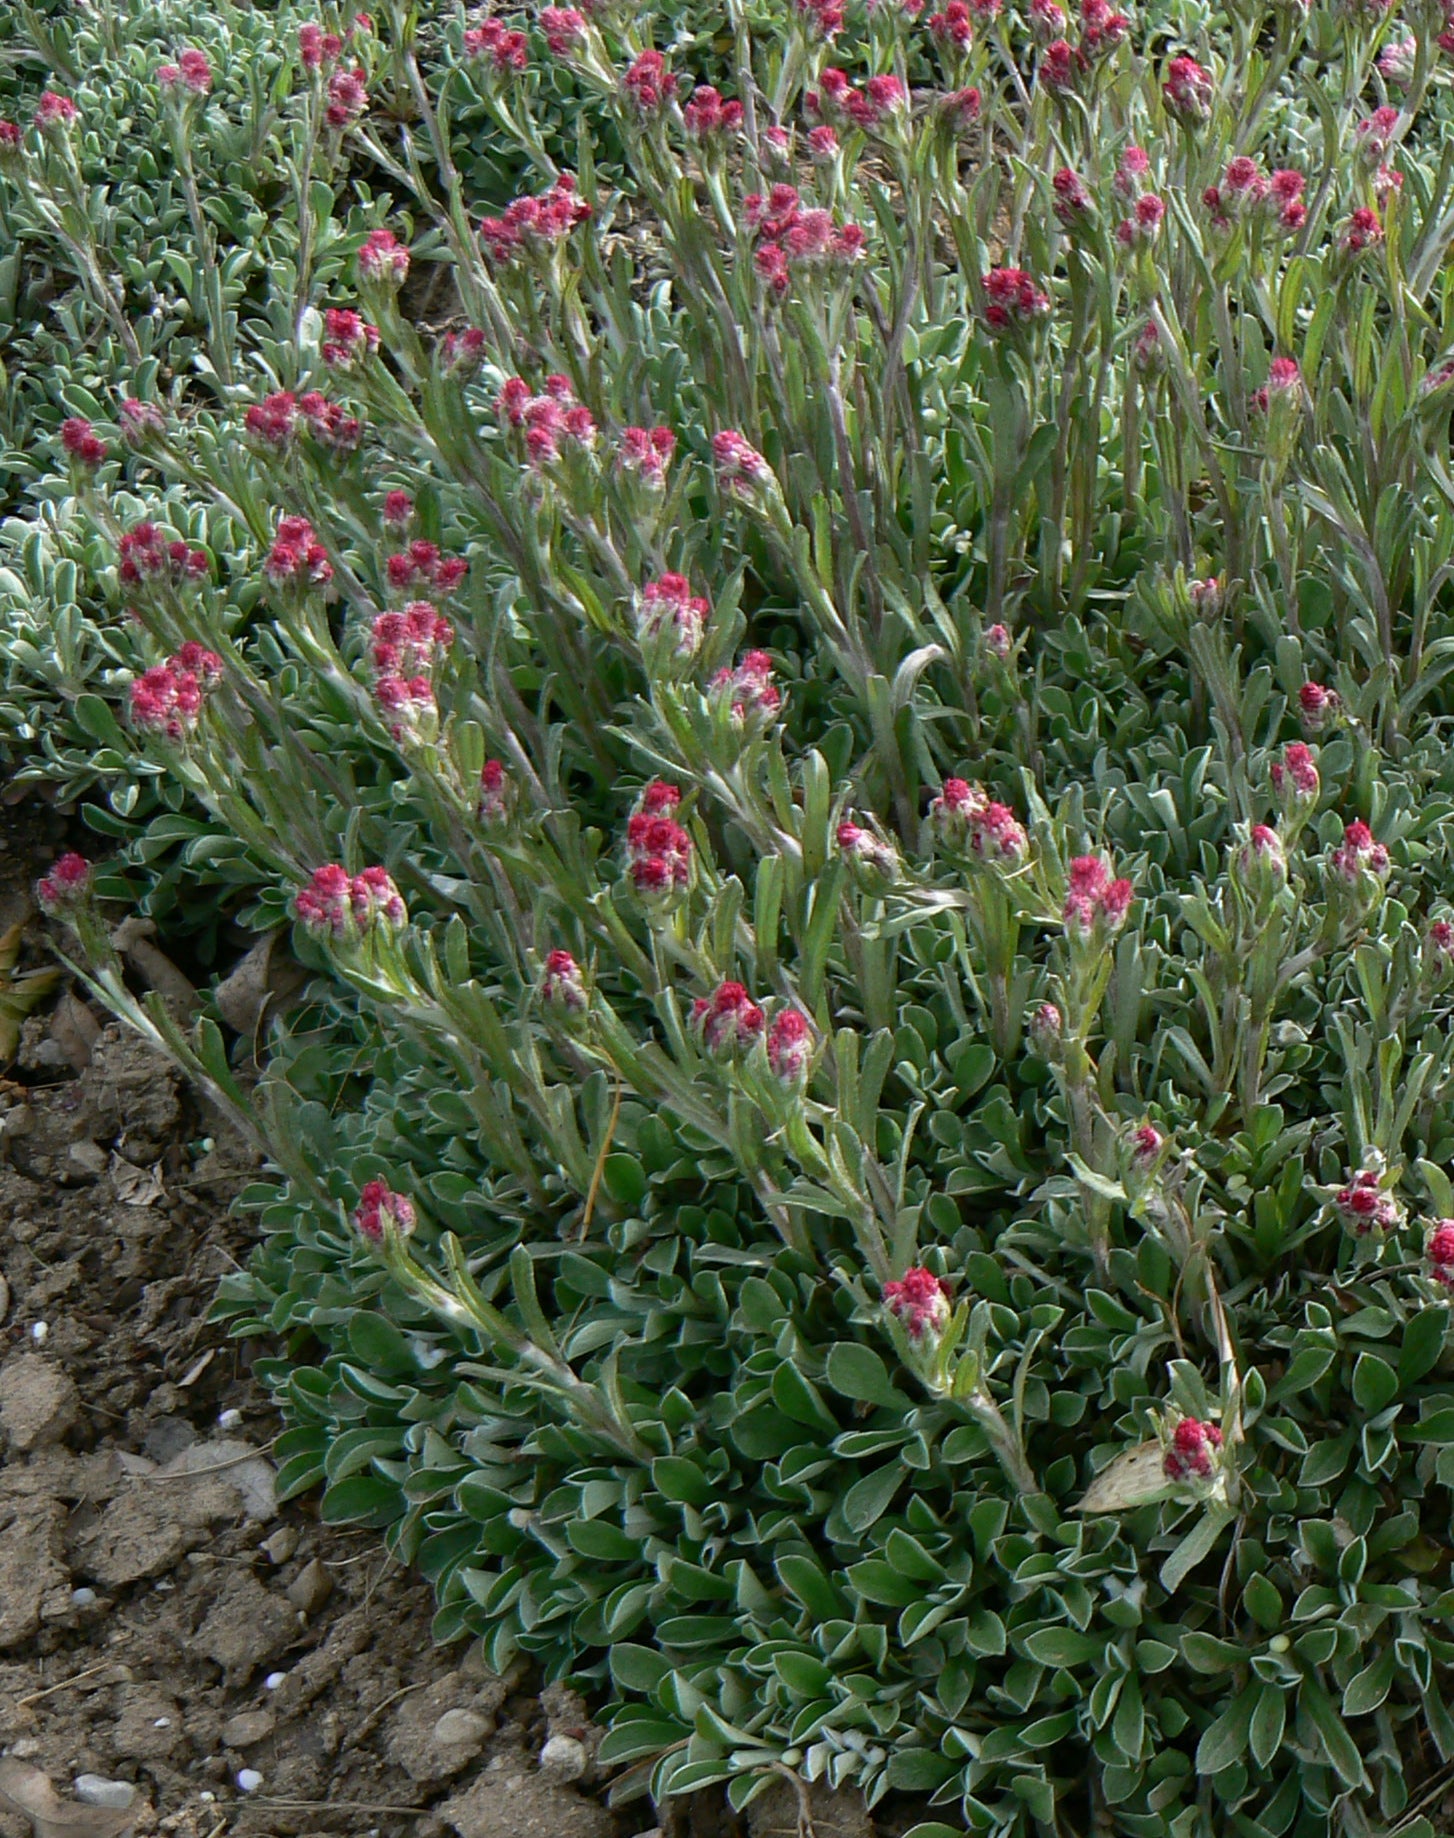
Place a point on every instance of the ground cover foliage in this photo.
(834, 635)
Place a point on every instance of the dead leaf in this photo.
(135, 1186)
(1134, 1478)
(75, 1029)
(133, 937)
(27, 1790)
(258, 985)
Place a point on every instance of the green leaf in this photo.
(1367, 1689)
(1269, 1719)
(1062, 1646)
(637, 1668)
(856, 1371)
(868, 1500)
(363, 1499)
(1338, 1745)
(1424, 1336)
(1224, 1741)
(1375, 1383)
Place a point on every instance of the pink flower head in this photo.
(1387, 184)
(65, 887)
(347, 338)
(1188, 91)
(1146, 1144)
(1046, 1029)
(410, 643)
(398, 513)
(1012, 300)
(501, 51)
(12, 146)
(671, 614)
(1396, 61)
(564, 28)
(1317, 706)
(383, 261)
(707, 115)
(347, 99)
(1365, 1208)
(421, 569)
(497, 793)
(142, 424)
(994, 836)
(1259, 867)
(1359, 863)
(462, 353)
(297, 560)
(728, 1021)
(1192, 1455)
(147, 560)
(411, 713)
(381, 1213)
(168, 698)
(562, 987)
(740, 467)
(872, 862)
(329, 423)
(1144, 223)
(274, 421)
(921, 1301)
(1101, 29)
(658, 853)
(84, 445)
(823, 145)
(953, 29)
(957, 808)
(789, 1047)
(1206, 596)
(1376, 135)
(1284, 385)
(1061, 66)
(1096, 905)
(645, 453)
(534, 225)
(961, 107)
(1295, 781)
(191, 74)
(1363, 231)
(1439, 1250)
(648, 84)
(54, 113)
(1148, 353)
(748, 690)
(1438, 953)
(659, 798)
(1071, 200)
(1048, 23)
(879, 98)
(345, 909)
(1133, 173)
(823, 18)
(317, 48)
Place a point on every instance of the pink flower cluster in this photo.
(329, 423)
(54, 113)
(789, 1047)
(493, 44)
(337, 905)
(1096, 904)
(1193, 1452)
(496, 793)
(728, 1021)
(740, 467)
(835, 100)
(873, 862)
(167, 699)
(824, 18)
(953, 29)
(462, 353)
(398, 513)
(1364, 1207)
(562, 988)
(920, 1300)
(191, 73)
(564, 28)
(347, 338)
(1440, 1252)
(966, 818)
(668, 606)
(297, 560)
(410, 642)
(381, 1211)
(347, 99)
(1012, 300)
(148, 559)
(422, 569)
(1260, 865)
(140, 422)
(81, 441)
(1317, 705)
(648, 85)
(1295, 781)
(410, 710)
(1246, 191)
(1188, 92)
(1284, 385)
(535, 223)
(787, 237)
(66, 885)
(317, 48)
(748, 689)
(273, 421)
(706, 114)
(1364, 230)
(549, 420)
(645, 453)
(1358, 858)
(1062, 64)
(658, 849)
(382, 259)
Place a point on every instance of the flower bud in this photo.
(1358, 867)
(740, 467)
(383, 261)
(954, 811)
(1365, 1208)
(54, 114)
(749, 693)
(1439, 1251)
(1046, 1031)
(996, 837)
(66, 887)
(1436, 956)
(789, 1047)
(345, 910)
(1096, 905)
(348, 338)
(671, 622)
(497, 793)
(1259, 866)
(381, 1213)
(872, 862)
(1193, 1452)
(1295, 782)
(1012, 301)
(728, 1021)
(920, 1301)
(85, 447)
(562, 987)
(1317, 706)
(648, 85)
(142, 424)
(1188, 92)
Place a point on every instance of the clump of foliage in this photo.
(853, 725)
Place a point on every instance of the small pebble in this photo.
(273, 1680)
(162, 1723)
(248, 1780)
(229, 1419)
(38, 1331)
(281, 1546)
(458, 1729)
(95, 1790)
(206, 1794)
(83, 1597)
(563, 1758)
(24, 1749)
(310, 1588)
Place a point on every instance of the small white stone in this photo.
(83, 1597)
(273, 1680)
(229, 1419)
(24, 1749)
(207, 1794)
(38, 1331)
(248, 1780)
(95, 1790)
(162, 1723)
(563, 1758)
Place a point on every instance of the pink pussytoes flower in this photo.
(1359, 865)
(1439, 1251)
(961, 107)
(1144, 223)
(422, 569)
(648, 85)
(748, 690)
(1188, 92)
(381, 1213)
(502, 51)
(1365, 1208)
(823, 18)
(461, 354)
(565, 29)
(534, 225)
(347, 99)
(1396, 61)
(190, 75)
(146, 558)
(1148, 354)
(1437, 956)
(1071, 200)
(329, 423)
(348, 338)
(658, 854)
(410, 643)
(383, 261)
(142, 424)
(644, 453)
(707, 115)
(54, 113)
(671, 615)
(497, 793)
(562, 987)
(1096, 904)
(1295, 781)
(728, 1021)
(823, 145)
(297, 560)
(344, 908)
(1192, 1455)
(1376, 134)
(740, 467)
(919, 1300)
(1048, 22)
(274, 421)
(1101, 29)
(398, 513)
(1045, 1030)
(168, 698)
(789, 1047)
(65, 887)
(953, 29)
(411, 713)
(1317, 706)
(1061, 66)
(1133, 173)
(957, 807)
(873, 862)
(82, 443)
(317, 48)
(1363, 230)
(1387, 184)
(1206, 596)
(1259, 866)
(659, 798)
(1284, 385)
(1146, 1143)
(995, 836)
(1012, 301)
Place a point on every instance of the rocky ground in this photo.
(179, 1654)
